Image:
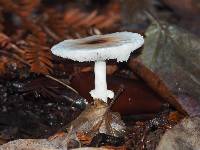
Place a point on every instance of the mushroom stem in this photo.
(100, 91)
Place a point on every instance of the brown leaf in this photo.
(83, 138)
(98, 118)
(175, 117)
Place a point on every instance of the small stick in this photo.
(57, 80)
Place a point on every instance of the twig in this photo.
(57, 80)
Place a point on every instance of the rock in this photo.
(183, 136)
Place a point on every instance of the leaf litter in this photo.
(172, 54)
(34, 106)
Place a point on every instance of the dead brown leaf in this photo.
(169, 63)
(96, 119)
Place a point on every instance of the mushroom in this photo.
(99, 48)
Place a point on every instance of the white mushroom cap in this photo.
(100, 47)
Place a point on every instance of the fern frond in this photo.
(76, 19)
(38, 55)
(9, 53)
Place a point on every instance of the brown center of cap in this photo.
(99, 41)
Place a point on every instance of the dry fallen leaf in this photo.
(96, 119)
(175, 117)
(185, 135)
(83, 138)
(170, 64)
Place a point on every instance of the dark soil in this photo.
(38, 107)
